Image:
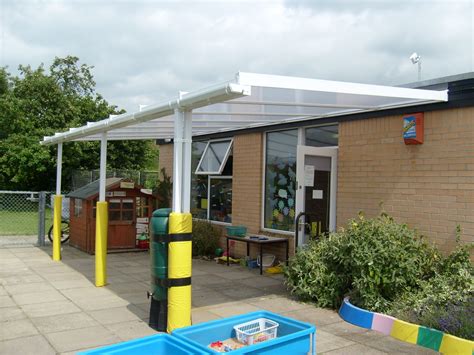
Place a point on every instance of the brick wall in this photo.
(428, 186)
(166, 158)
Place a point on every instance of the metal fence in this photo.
(25, 215)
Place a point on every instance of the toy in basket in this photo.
(256, 331)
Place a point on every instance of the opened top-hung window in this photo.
(211, 182)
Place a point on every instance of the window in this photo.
(280, 180)
(143, 206)
(121, 209)
(214, 157)
(211, 181)
(77, 207)
(324, 136)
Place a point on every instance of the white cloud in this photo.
(145, 51)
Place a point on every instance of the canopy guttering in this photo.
(248, 101)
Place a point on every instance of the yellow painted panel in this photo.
(180, 223)
(101, 226)
(405, 331)
(179, 307)
(179, 259)
(454, 345)
(58, 203)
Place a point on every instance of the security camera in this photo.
(415, 58)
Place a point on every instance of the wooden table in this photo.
(260, 242)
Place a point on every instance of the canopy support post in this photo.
(180, 226)
(101, 220)
(58, 204)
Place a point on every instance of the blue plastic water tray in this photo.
(293, 337)
(158, 344)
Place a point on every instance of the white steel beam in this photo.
(59, 166)
(103, 166)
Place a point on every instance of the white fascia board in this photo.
(288, 82)
(217, 93)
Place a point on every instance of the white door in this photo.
(316, 178)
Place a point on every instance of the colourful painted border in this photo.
(408, 332)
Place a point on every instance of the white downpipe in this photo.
(103, 166)
(187, 150)
(178, 160)
(59, 167)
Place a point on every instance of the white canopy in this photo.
(251, 100)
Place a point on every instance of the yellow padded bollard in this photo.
(58, 204)
(101, 225)
(405, 331)
(454, 345)
(179, 269)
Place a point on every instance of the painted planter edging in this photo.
(408, 332)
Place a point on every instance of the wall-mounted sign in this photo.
(413, 128)
(309, 175)
(127, 185)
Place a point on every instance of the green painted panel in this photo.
(429, 338)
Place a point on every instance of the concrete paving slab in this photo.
(203, 315)
(351, 332)
(19, 289)
(100, 303)
(31, 345)
(62, 322)
(38, 297)
(278, 304)
(16, 329)
(130, 330)
(6, 301)
(50, 308)
(3, 292)
(11, 313)
(232, 309)
(318, 316)
(394, 346)
(354, 349)
(67, 284)
(113, 315)
(209, 298)
(83, 338)
(20, 279)
(327, 342)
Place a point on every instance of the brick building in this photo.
(333, 167)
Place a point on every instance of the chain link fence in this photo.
(27, 216)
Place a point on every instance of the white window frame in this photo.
(224, 161)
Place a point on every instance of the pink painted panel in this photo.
(382, 323)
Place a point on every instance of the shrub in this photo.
(374, 261)
(446, 301)
(205, 238)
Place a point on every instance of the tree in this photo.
(38, 103)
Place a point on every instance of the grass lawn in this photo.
(22, 223)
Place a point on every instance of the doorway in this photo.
(316, 194)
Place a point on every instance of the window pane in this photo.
(280, 180)
(326, 136)
(198, 184)
(127, 215)
(77, 207)
(220, 208)
(127, 204)
(114, 215)
(214, 156)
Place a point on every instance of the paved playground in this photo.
(51, 307)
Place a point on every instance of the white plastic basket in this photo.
(267, 260)
(256, 331)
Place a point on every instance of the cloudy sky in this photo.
(145, 51)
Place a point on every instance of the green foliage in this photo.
(38, 103)
(372, 260)
(445, 301)
(163, 190)
(386, 267)
(205, 238)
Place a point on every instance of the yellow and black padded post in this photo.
(179, 270)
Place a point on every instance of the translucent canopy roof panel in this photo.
(252, 100)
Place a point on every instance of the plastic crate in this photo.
(236, 231)
(268, 260)
(294, 337)
(256, 331)
(158, 344)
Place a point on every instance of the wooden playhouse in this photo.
(130, 208)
